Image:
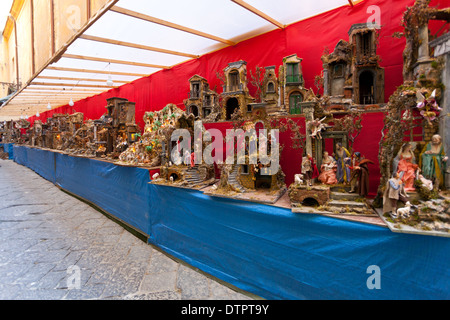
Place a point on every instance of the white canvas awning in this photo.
(130, 39)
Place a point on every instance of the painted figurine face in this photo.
(436, 139)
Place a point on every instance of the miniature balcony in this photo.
(194, 95)
(234, 88)
(294, 79)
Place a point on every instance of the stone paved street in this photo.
(53, 246)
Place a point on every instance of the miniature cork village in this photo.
(333, 177)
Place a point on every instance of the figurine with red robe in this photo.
(309, 169)
(363, 185)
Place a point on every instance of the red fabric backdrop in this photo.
(307, 39)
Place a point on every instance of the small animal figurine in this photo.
(299, 178)
(171, 178)
(404, 212)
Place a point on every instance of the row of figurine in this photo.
(340, 168)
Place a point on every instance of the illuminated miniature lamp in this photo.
(37, 114)
(133, 137)
(49, 106)
(71, 102)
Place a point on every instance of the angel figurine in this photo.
(316, 127)
(429, 109)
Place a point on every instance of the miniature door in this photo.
(295, 100)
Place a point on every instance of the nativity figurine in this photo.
(328, 170)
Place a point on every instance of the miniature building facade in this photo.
(235, 95)
(202, 99)
(352, 74)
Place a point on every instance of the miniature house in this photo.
(120, 122)
(270, 88)
(292, 91)
(368, 76)
(352, 74)
(269, 95)
(235, 92)
(201, 99)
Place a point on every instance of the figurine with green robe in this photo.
(432, 160)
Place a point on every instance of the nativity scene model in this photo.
(317, 135)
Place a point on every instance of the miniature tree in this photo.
(258, 79)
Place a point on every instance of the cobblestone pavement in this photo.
(53, 246)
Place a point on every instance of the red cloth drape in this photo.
(308, 39)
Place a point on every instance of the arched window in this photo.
(271, 87)
(233, 80)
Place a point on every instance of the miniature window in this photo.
(195, 90)
(292, 73)
(271, 87)
(206, 112)
(244, 169)
(234, 80)
(338, 71)
(365, 43)
(207, 100)
(249, 108)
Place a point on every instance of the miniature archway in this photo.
(194, 110)
(310, 202)
(366, 87)
(231, 106)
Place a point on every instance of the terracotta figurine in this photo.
(342, 158)
(393, 193)
(328, 170)
(432, 160)
(309, 169)
(405, 162)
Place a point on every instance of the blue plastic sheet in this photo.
(10, 148)
(42, 162)
(263, 249)
(120, 191)
(281, 255)
(21, 155)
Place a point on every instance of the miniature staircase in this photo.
(232, 179)
(340, 199)
(192, 176)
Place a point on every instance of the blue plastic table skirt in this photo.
(9, 149)
(263, 249)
